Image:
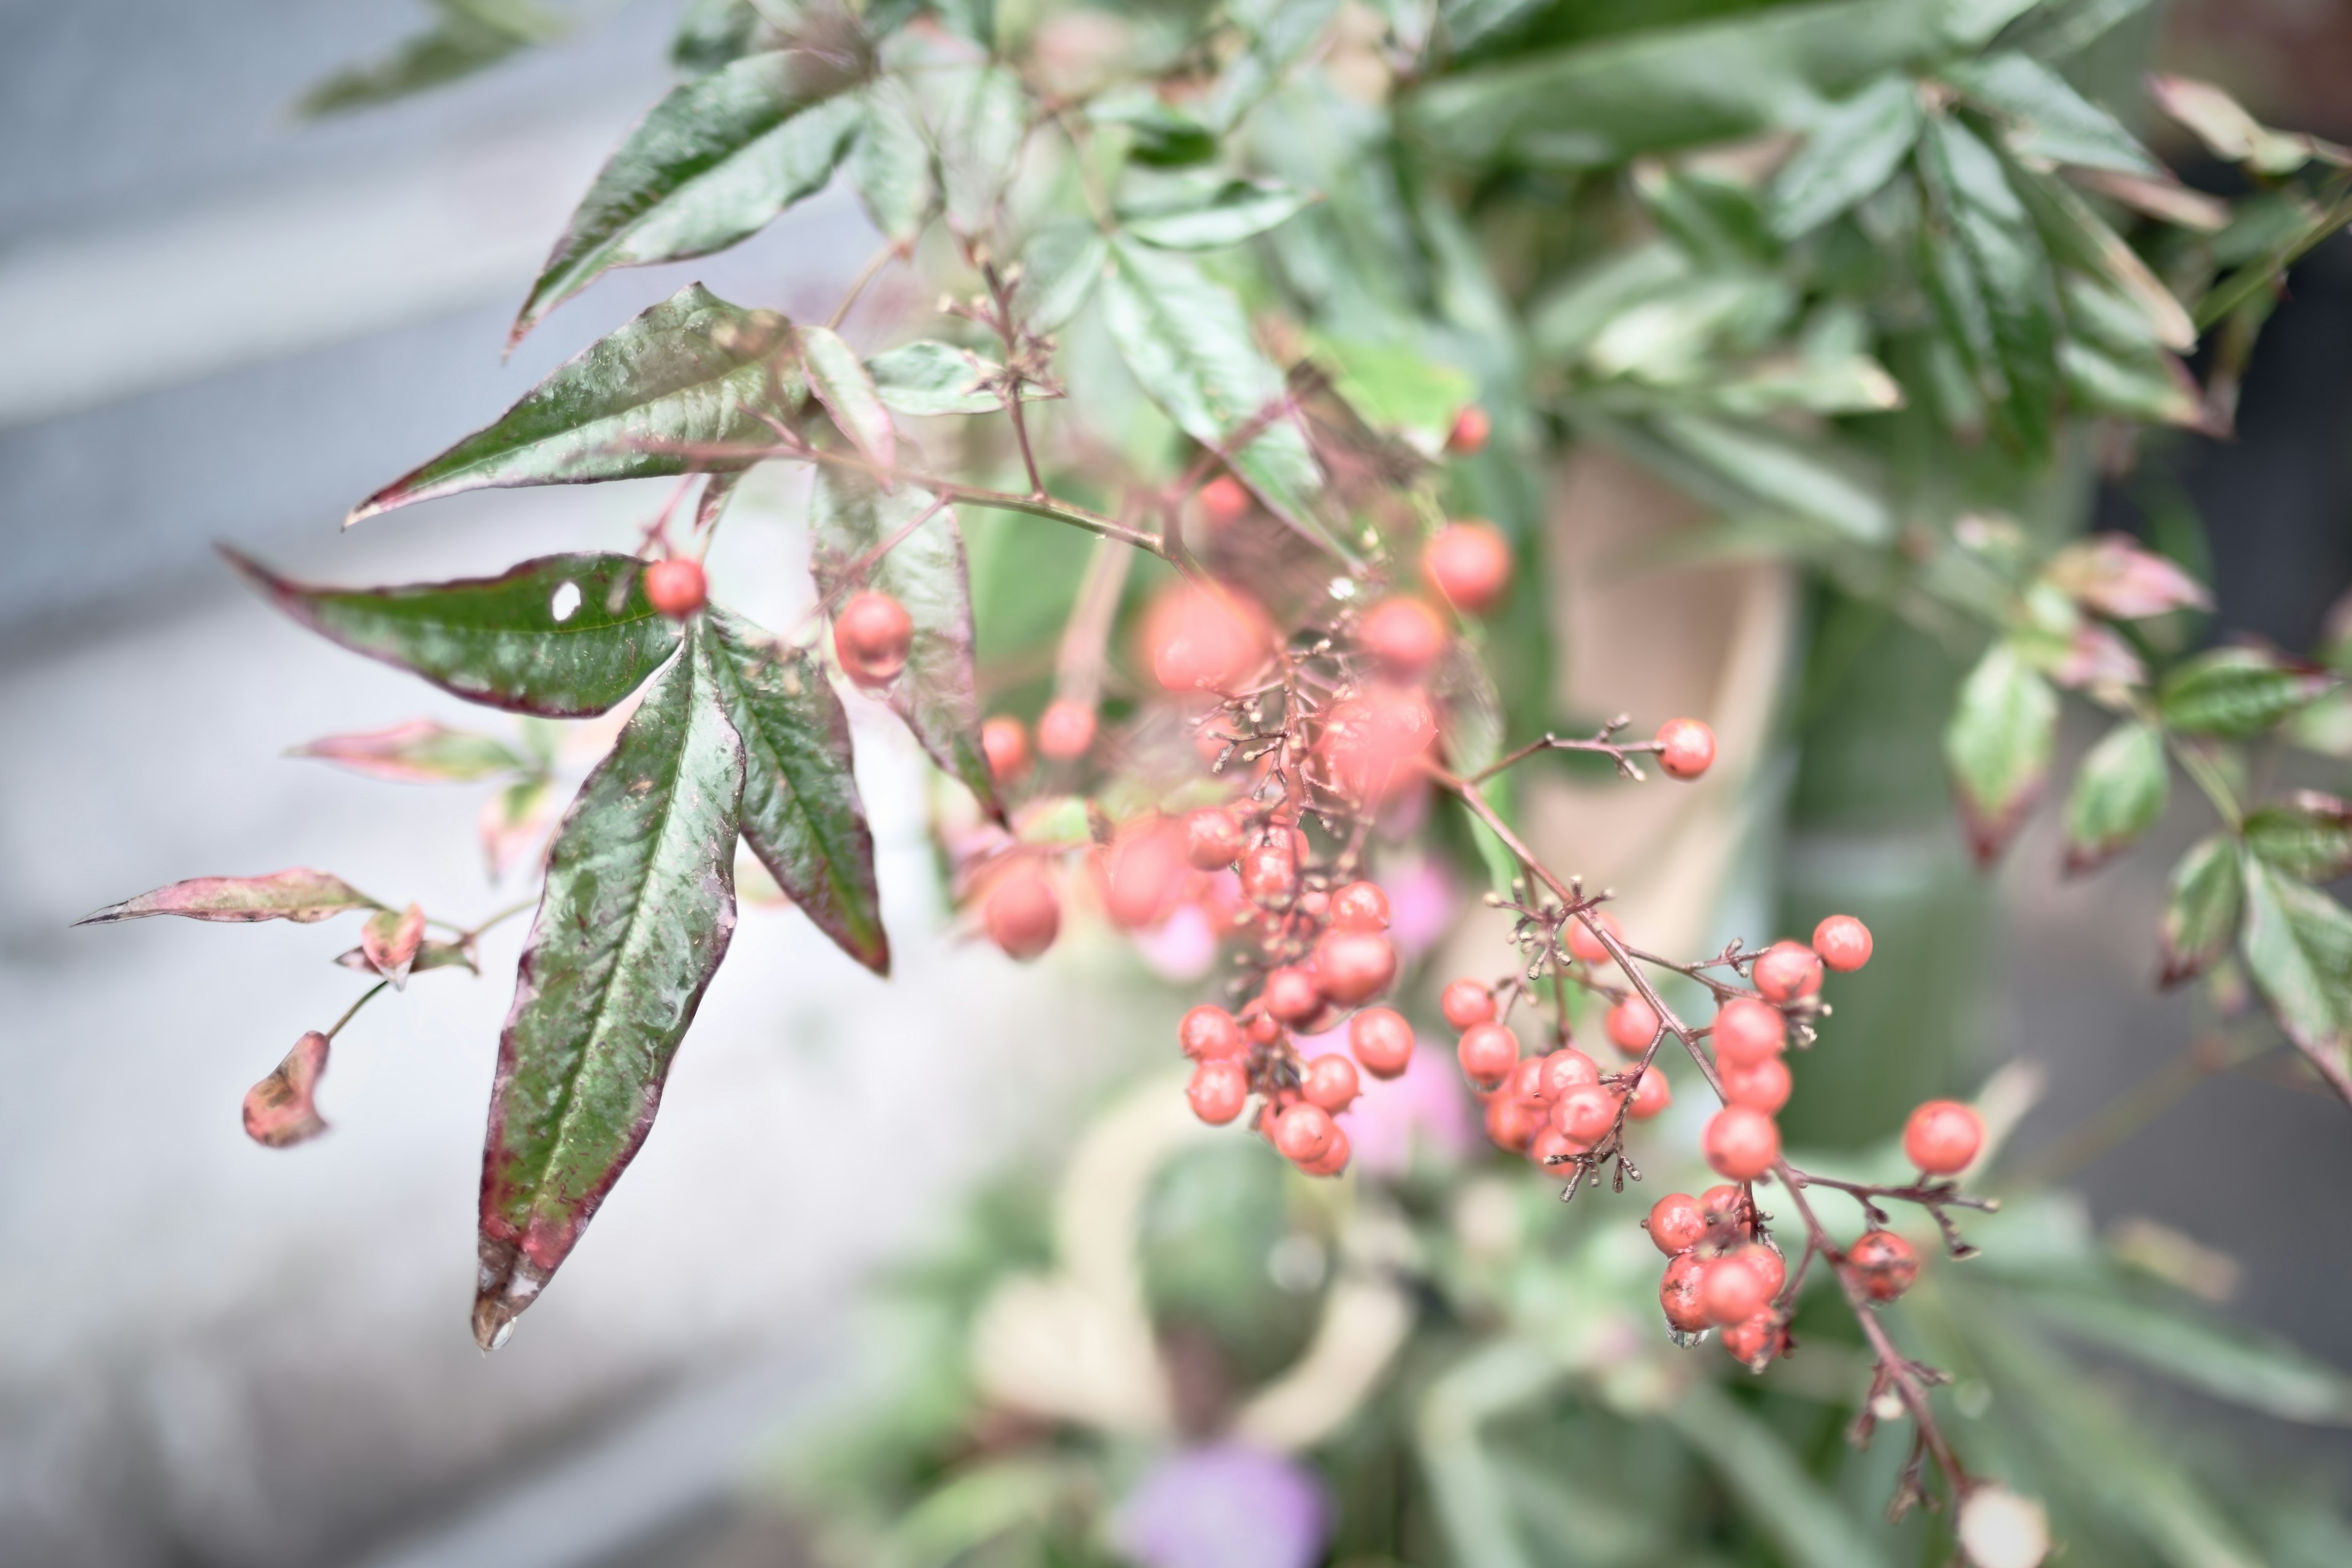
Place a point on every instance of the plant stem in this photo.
(352, 1012)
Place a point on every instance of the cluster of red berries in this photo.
(1552, 1107)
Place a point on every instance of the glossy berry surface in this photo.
(1218, 1091)
(1550, 1148)
(1844, 944)
(1676, 1224)
(1748, 1031)
(1756, 1341)
(1652, 1094)
(1334, 1157)
(1005, 743)
(1199, 639)
(1764, 1087)
(1360, 906)
(1066, 729)
(1564, 1070)
(1741, 1142)
(1883, 1263)
(1330, 1081)
(1293, 993)
(1354, 966)
(1487, 1054)
(1270, 873)
(1469, 565)
(1734, 1288)
(1685, 748)
(1678, 1293)
(1725, 1206)
(871, 635)
(1465, 1003)
(1213, 839)
(1631, 1026)
(1942, 1137)
(1382, 1041)
(1788, 970)
(1511, 1122)
(676, 587)
(1022, 915)
(1526, 1083)
(1585, 1113)
(1303, 1130)
(1404, 635)
(1208, 1033)
(1142, 871)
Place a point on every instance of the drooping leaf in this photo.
(297, 894)
(938, 694)
(639, 905)
(2201, 906)
(421, 751)
(389, 941)
(542, 638)
(1998, 745)
(2119, 792)
(282, 1110)
(466, 36)
(842, 385)
(1850, 152)
(2237, 692)
(1188, 346)
(929, 377)
(691, 371)
(2298, 946)
(1991, 281)
(891, 165)
(801, 815)
(716, 160)
(1209, 214)
(2308, 837)
(2048, 120)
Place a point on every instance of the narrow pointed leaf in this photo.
(1849, 153)
(418, 752)
(716, 160)
(1998, 745)
(802, 813)
(1996, 278)
(1211, 213)
(2309, 837)
(1187, 345)
(2238, 692)
(689, 372)
(466, 37)
(2119, 792)
(2201, 907)
(389, 941)
(2079, 237)
(282, 1110)
(639, 905)
(2048, 120)
(298, 894)
(929, 377)
(891, 165)
(938, 694)
(840, 383)
(2298, 946)
(543, 638)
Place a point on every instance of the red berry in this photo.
(1587, 946)
(1381, 1040)
(1142, 871)
(1404, 635)
(1329, 1081)
(1066, 729)
(1748, 1032)
(1487, 1054)
(1883, 1263)
(1360, 906)
(1334, 1157)
(1465, 1003)
(1022, 916)
(1844, 944)
(871, 635)
(1678, 1293)
(1469, 565)
(1764, 1087)
(675, 588)
(1725, 1206)
(1293, 995)
(1257, 1026)
(1943, 1136)
(1755, 1343)
(1652, 1094)
(1355, 965)
(1676, 1224)
(1208, 1033)
(1006, 746)
(1741, 1142)
(1223, 500)
(1788, 970)
(1564, 1070)
(1550, 1148)
(1510, 1122)
(1472, 426)
(1213, 839)
(1370, 743)
(1631, 1026)
(1218, 1091)
(1303, 1130)
(1526, 1083)
(1734, 1287)
(1270, 873)
(1685, 748)
(1200, 638)
(1585, 1113)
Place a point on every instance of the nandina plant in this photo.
(1214, 291)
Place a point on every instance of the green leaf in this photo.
(1757, 1465)
(1998, 745)
(1568, 319)
(298, 894)
(1059, 268)
(979, 138)
(2229, 133)
(1850, 152)
(639, 904)
(891, 165)
(1798, 475)
(2298, 946)
(1188, 346)
(688, 373)
(938, 694)
(2119, 792)
(1163, 137)
(846, 391)
(1394, 388)
(466, 37)
(714, 33)
(2237, 692)
(2079, 237)
(801, 815)
(2048, 120)
(545, 637)
(1991, 281)
(2201, 905)
(929, 377)
(715, 161)
(1183, 214)
(2154, 388)
(1280, 33)
(418, 752)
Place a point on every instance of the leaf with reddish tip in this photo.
(2309, 837)
(512, 821)
(418, 752)
(543, 638)
(2119, 792)
(430, 955)
(939, 694)
(639, 904)
(801, 815)
(297, 894)
(389, 941)
(718, 159)
(2238, 692)
(1998, 746)
(2200, 909)
(281, 1110)
(2112, 575)
(841, 382)
(2298, 947)
(693, 372)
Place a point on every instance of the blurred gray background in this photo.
(220, 323)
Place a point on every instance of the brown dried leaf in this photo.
(280, 1111)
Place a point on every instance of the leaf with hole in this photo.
(546, 637)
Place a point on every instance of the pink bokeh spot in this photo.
(1180, 948)
(1422, 900)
